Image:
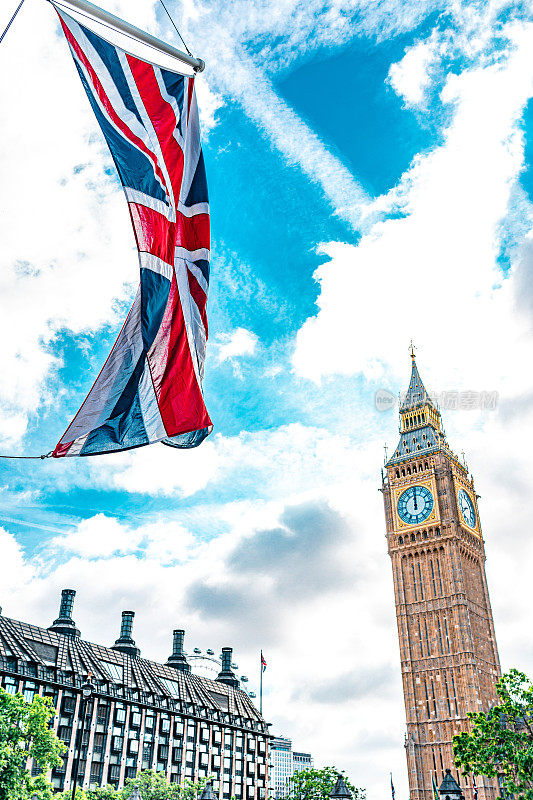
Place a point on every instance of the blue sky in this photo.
(370, 177)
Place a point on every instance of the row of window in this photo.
(418, 466)
(429, 699)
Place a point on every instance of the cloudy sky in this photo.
(371, 178)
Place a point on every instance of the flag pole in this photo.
(131, 30)
(261, 683)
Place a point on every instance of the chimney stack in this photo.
(64, 623)
(125, 643)
(226, 675)
(178, 659)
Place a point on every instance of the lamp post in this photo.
(207, 792)
(87, 691)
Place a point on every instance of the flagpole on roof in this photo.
(261, 683)
(131, 30)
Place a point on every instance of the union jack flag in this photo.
(263, 662)
(150, 388)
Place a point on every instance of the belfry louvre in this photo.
(142, 715)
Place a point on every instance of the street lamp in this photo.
(340, 791)
(207, 792)
(87, 691)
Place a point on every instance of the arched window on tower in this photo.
(415, 595)
(427, 636)
(455, 696)
(428, 712)
(439, 629)
(421, 582)
(437, 562)
(447, 689)
(433, 578)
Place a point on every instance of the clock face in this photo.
(467, 508)
(415, 505)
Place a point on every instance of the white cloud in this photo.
(434, 270)
(99, 536)
(240, 342)
(67, 247)
(14, 570)
(410, 77)
(103, 536)
(304, 457)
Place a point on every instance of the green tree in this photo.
(317, 784)
(152, 786)
(24, 731)
(501, 741)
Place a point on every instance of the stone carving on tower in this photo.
(448, 652)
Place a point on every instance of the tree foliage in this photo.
(317, 784)
(501, 741)
(24, 732)
(152, 786)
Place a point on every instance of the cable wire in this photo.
(11, 21)
(45, 455)
(175, 28)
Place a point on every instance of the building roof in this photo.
(427, 435)
(419, 442)
(416, 393)
(56, 657)
(449, 786)
(340, 789)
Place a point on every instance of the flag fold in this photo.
(150, 388)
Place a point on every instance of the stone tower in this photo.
(448, 652)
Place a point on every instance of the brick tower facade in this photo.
(449, 657)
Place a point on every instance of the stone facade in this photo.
(449, 657)
(142, 715)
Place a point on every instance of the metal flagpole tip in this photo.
(201, 66)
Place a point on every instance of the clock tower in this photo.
(449, 658)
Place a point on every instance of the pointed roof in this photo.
(340, 789)
(449, 786)
(416, 393)
(420, 433)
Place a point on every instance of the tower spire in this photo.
(421, 428)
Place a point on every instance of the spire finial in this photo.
(386, 449)
(412, 349)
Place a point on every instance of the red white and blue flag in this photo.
(150, 388)
(263, 663)
(474, 787)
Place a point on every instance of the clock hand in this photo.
(416, 507)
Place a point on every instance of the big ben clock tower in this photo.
(448, 652)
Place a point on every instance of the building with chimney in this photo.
(448, 652)
(141, 715)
